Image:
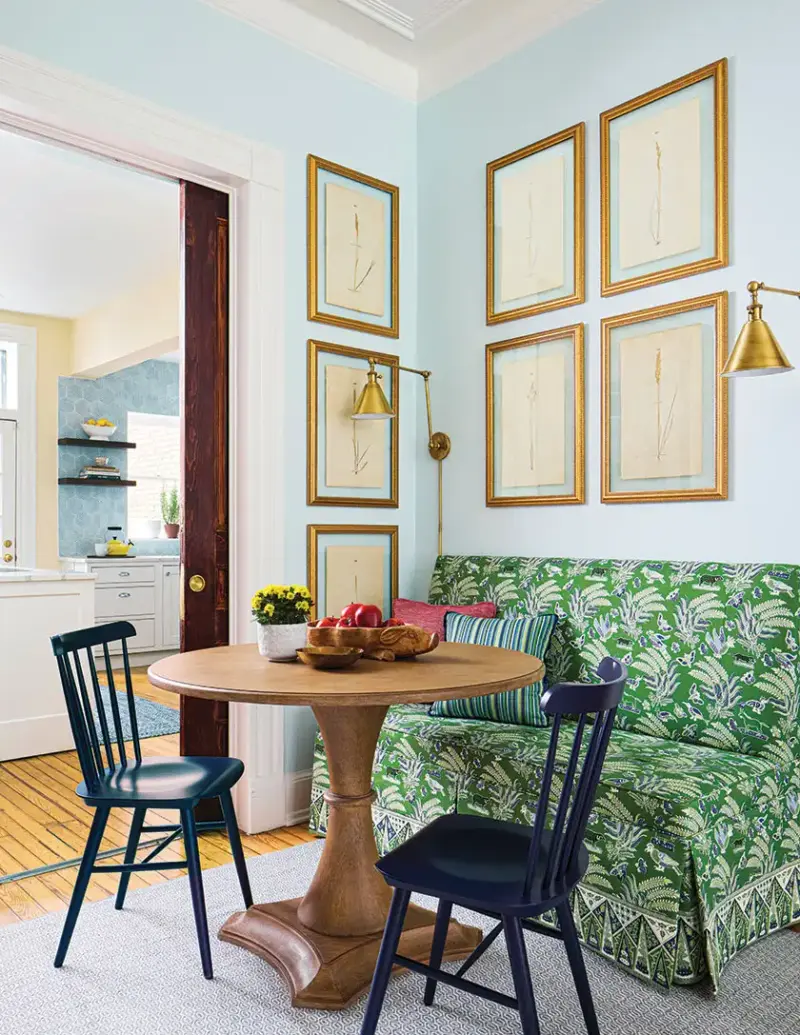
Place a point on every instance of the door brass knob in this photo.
(8, 557)
(197, 583)
(7, 543)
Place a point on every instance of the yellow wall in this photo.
(53, 359)
(133, 327)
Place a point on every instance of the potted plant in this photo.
(281, 613)
(171, 512)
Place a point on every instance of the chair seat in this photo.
(168, 782)
(478, 861)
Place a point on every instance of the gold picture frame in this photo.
(699, 353)
(357, 535)
(573, 487)
(387, 493)
(709, 89)
(374, 191)
(570, 144)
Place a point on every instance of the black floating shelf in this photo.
(96, 443)
(94, 481)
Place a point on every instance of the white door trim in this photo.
(25, 415)
(60, 106)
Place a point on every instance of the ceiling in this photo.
(415, 48)
(78, 231)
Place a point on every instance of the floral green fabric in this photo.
(694, 839)
(530, 634)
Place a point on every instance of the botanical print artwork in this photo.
(355, 450)
(355, 250)
(532, 421)
(661, 403)
(532, 228)
(660, 185)
(353, 573)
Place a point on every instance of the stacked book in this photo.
(102, 470)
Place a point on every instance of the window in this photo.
(154, 465)
(9, 376)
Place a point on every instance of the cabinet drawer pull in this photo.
(167, 574)
(123, 595)
(123, 574)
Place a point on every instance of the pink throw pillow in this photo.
(430, 617)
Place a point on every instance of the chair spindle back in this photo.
(570, 813)
(75, 657)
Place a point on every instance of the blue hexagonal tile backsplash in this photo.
(85, 512)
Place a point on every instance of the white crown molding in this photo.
(326, 42)
(385, 14)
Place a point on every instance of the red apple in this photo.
(326, 623)
(350, 611)
(368, 616)
(392, 621)
(345, 623)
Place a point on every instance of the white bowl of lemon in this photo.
(100, 429)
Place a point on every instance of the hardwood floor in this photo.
(42, 821)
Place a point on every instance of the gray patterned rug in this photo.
(152, 718)
(138, 971)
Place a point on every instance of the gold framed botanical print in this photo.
(352, 564)
(535, 239)
(664, 182)
(350, 462)
(353, 249)
(664, 405)
(535, 419)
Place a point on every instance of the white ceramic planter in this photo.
(281, 642)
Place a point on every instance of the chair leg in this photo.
(236, 847)
(130, 854)
(196, 885)
(520, 971)
(578, 967)
(437, 946)
(82, 881)
(385, 962)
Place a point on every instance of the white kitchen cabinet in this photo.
(171, 604)
(144, 591)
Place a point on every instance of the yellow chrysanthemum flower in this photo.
(269, 609)
(302, 605)
(290, 594)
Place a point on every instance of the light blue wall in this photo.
(621, 48)
(84, 513)
(184, 55)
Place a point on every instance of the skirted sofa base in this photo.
(660, 897)
(694, 839)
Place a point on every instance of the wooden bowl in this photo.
(384, 644)
(330, 657)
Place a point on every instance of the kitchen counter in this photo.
(35, 605)
(144, 558)
(41, 575)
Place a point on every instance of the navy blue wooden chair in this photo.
(507, 871)
(136, 783)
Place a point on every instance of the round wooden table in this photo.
(325, 944)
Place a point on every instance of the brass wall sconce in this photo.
(757, 350)
(372, 404)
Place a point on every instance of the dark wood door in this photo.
(204, 540)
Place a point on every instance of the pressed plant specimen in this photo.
(533, 251)
(664, 421)
(360, 461)
(658, 197)
(358, 277)
(532, 396)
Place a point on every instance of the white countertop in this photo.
(144, 558)
(42, 575)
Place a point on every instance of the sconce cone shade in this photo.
(372, 403)
(756, 352)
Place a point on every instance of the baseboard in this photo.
(298, 797)
(142, 659)
(41, 735)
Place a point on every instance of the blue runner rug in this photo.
(154, 720)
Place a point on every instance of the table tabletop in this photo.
(240, 674)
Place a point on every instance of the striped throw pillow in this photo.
(531, 635)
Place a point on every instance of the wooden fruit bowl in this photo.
(383, 644)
